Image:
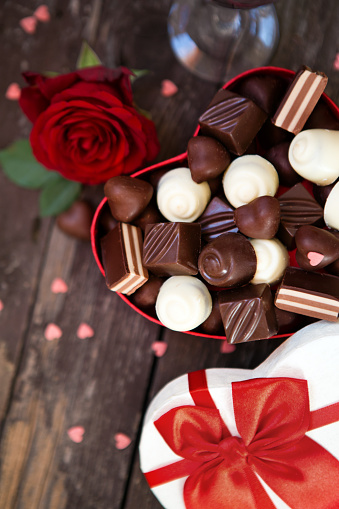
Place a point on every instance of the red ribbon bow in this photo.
(272, 417)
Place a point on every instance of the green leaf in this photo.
(87, 57)
(50, 74)
(57, 196)
(21, 167)
(138, 73)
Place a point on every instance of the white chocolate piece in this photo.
(331, 209)
(183, 303)
(314, 155)
(249, 177)
(179, 198)
(272, 260)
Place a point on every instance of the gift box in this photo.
(327, 109)
(264, 438)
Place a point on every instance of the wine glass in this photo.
(218, 39)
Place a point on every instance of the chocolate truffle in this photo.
(76, 221)
(229, 260)
(207, 158)
(316, 248)
(266, 91)
(278, 156)
(272, 260)
(260, 218)
(127, 197)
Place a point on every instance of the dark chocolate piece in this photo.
(76, 221)
(217, 218)
(322, 117)
(265, 91)
(248, 313)
(150, 215)
(321, 193)
(271, 135)
(213, 324)
(233, 120)
(316, 248)
(207, 158)
(229, 260)
(309, 293)
(333, 268)
(278, 156)
(260, 218)
(172, 249)
(289, 322)
(145, 297)
(300, 100)
(127, 197)
(121, 257)
(297, 208)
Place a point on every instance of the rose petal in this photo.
(13, 92)
(28, 24)
(159, 348)
(59, 286)
(121, 441)
(76, 434)
(226, 348)
(42, 13)
(85, 331)
(52, 331)
(168, 88)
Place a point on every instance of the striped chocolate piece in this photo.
(300, 100)
(121, 252)
(309, 293)
(218, 218)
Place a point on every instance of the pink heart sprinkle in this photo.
(159, 348)
(226, 348)
(336, 62)
(42, 14)
(314, 258)
(52, 331)
(58, 286)
(85, 331)
(13, 92)
(76, 434)
(28, 24)
(168, 88)
(1, 305)
(121, 441)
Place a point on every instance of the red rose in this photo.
(85, 125)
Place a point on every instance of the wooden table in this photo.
(104, 383)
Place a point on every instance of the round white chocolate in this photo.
(179, 198)
(314, 155)
(249, 177)
(331, 209)
(183, 303)
(272, 260)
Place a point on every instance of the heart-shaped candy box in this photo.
(327, 112)
(255, 439)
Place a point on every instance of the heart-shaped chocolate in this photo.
(309, 355)
(127, 197)
(316, 248)
(76, 221)
(260, 218)
(207, 158)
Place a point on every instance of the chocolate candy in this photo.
(316, 248)
(213, 324)
(300, 99)
(76, 221)
(322, 117)
(127, 197)
(183, 303)
(321, 193)
(309, 293)
(314, 154)
(264, 90)
(121, 252)
(179, 198)
(278, 156)
(248, 177)
(150, 215)
(145, 297)
(331, 210)
(297, 207)
(229, 260)
(272, 260)
(233, 120)
(172, 248)
(248, 313)
(218, 218)
(207, 158)
(260, 218)
(290, 322)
